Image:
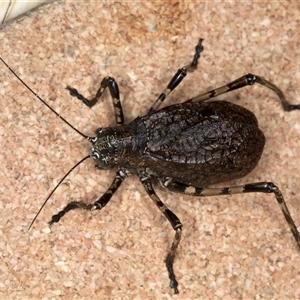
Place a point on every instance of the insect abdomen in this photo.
(202, 143)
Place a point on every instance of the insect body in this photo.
(186, 147)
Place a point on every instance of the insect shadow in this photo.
(187, 147)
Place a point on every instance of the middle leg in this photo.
(175, 223)
(178, 77)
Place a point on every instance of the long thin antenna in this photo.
(90, 139)
(43, 101)
(76, 165)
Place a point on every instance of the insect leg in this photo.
(99, 204)
(259, 187)
(178, 77)
(112, 85)
(243, 81)
(175, 223)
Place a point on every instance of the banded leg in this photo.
(99, 204)
(114, 92)
(243, 81)
(178, 77)
(259, 187)
(175, 223)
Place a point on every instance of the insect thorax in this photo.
(113, 148)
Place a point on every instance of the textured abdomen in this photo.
(201, 143)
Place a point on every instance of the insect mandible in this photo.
(187, 147)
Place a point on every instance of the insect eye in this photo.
(99, 131)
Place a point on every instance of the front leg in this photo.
(112, 85)
(99, 204)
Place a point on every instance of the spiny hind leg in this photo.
(258, 187)
(241, 82)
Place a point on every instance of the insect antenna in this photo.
(76, 165)
(91, 139)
